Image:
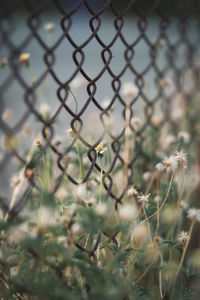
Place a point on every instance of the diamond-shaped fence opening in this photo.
(83, 55)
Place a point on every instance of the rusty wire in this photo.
(78, 57)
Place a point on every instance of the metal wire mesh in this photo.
(184, 76)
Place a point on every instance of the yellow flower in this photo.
(24, 58)
(70, 131)
(37, 143)
(100, 149)
(4, 62)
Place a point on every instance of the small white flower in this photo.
(90, 202)
(105, 103)
(44, 109)
(62, 193)
(129, 90)
(70, 131)
(184, 205)
(143, 198)
(194, 213)
(166, 83)
(136, 123)
(100, 149)
(81, 191)
(157, 120)
(132, 191)
(170, 163)
(160, 167)
(77, 82)
(185, 136)
(102, 209)
(182, 237)
(46, 217)
(127, 212)
(76, 228)
(49, 26)
(147, 176)
(181, 156)
(109, 121)
(169, 140)
(7, 115)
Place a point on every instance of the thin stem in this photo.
(185, 248)
(80, 162)
(169, 188)
(181, 192)
(144, 273)
(74, 97)
(101, 182)
(158, 215)
(149, 228)
(77, 146)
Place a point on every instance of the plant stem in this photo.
(101, 182)
(169, 188)
(185, 248)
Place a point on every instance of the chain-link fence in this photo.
(119, 69)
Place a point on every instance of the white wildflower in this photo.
(170, 163)
(76, 228)
(184, 205)
(106, 103)
(46, 217)
(127, 212)
(157, 120)
(100, 149)
(90, 202)
(70, 131)
(62, 193)
(49, 26)
(129, 90)
(194, 213)
(136, 123)
(81, 191)
(132, 191)
(169, 140)
(160, 167)
(143, 198)
(45, 109)
(182, 237)
(185, 136)
(77, 82)
(181, 156)
(166, 83)
(109, 121)
(147, 176)
(7, 115)
(102, 208)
